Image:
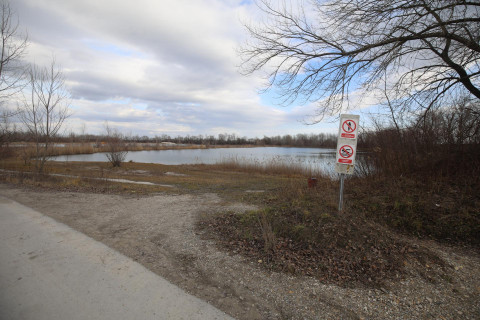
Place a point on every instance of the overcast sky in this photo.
(152, 67)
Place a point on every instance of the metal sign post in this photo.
(346, 149)
(340, 202)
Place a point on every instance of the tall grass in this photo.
(73, 148)
(26, 150)
(276, 165)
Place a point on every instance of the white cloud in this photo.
(174, 58)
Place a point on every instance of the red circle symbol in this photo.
(349, 126)
(346, 151)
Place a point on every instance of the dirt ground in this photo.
(159, 232)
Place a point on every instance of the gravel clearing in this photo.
(159, 232)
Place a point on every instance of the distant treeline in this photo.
(299, 140)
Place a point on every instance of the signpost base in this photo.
(340, 202)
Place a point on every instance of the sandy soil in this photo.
(159, 232)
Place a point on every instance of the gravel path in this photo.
(159, 232)
(48, 271)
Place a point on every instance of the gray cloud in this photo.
(152, 66)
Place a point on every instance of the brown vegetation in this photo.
(26, 150)
(420, 181)
(298, 230)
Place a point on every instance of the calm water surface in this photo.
(312, 158)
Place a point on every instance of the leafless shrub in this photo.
(116, 146)
(445, 142)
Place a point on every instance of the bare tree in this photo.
(116, 146)
(45, 109)
(13, 47)
(423, 50)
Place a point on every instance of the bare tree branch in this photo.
(13, 45)
(423, 49)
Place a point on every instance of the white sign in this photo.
(347, 143)
(349, 126)
(346, 154)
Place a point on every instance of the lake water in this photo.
(311, 158)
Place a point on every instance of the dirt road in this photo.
(159, 232)
(50, 271)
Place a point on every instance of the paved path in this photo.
(50, 271)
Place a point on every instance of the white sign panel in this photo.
(346, 153)
(347, 143)
(349, 126)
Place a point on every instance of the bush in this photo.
(116, 147)
(443, 143)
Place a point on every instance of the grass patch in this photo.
(298, 229)
(445, 210)
(95, 177)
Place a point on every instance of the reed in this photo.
(272, 166)
(73, 148)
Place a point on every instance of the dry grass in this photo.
(299, 231)
(274, 166)
(183, 178)
(298, 228)
(26, 150)
(446, 210)
(71, 149)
